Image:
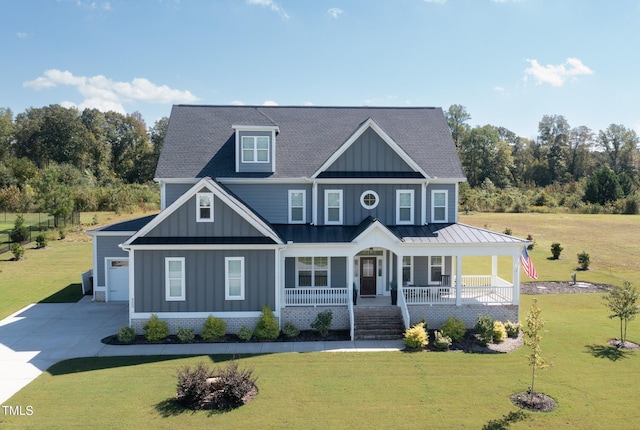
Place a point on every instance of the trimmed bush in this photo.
(17, 250)
(454, 329)
(267, 328)
(584, 260)
(416, 337)
(322, 323)
(290, 330)
(508, 231)
(156, 330)
(20, 232)
(499, 332)
(185, 335)
(126, 334)
(440, 342)
(556, 249)
(245, 333)
(213, 328)
(512, 328)
(532, 244)
(41, 241)
(484, 329)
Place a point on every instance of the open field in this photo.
(595, 386)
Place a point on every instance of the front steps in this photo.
(378, 323)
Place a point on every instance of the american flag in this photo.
(527, 264)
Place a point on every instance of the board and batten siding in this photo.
(182, 223)
(337, 268)
(107, 247)
(452, 204)
(173, 192)
(271, 201)
(204, 281)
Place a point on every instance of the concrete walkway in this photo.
(40, 335)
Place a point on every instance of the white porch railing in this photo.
(430, 295)
(315, 296)
(402, 303)
(486, 290)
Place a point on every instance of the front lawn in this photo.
(595, 386)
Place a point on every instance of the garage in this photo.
(118, 280)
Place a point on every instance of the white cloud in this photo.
(21, 35)
(237, 103)
(271, 4)
(102, 93)
(335, 12)
(556, 75)
(436, 1)
(269, 103)
(308, 104)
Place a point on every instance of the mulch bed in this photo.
(304, 336)
(538, 402)
(562, 288)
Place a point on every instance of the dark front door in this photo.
(368, 276)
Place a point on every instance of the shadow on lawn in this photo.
(506, 420)
(609, 352)
(69, 294)
(171, 408)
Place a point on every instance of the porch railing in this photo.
(486, 290)
(430, 295)
(314, 296)
(402, 303)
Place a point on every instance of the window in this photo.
(404, 207)
(439, 206)
(369, 199)
(333, 207)
(174, 278)
(313, 271)
(297, 206)
(435, 269)
(234, 278)
(407, 270)
(204, 209)
(255, 149)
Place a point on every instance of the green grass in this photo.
(595, 386)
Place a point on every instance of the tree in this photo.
(532, 339)
(620, 146)
(553, 136)
(6, 132)
(603, 187)
(157, 134)
(457, 117)
(484, 156)
(623, 304)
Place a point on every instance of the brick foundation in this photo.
(435, 316)
(302, 317)
(233, 324)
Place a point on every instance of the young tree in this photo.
(623, 304)
(532, 339)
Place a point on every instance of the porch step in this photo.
(378, 323)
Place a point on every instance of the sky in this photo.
(508, 62)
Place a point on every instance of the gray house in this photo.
(300, 209)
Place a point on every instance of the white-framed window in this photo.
(407, 270)
(333, 206)
(297, 206)
(369, 199)
(435, 269)
(312, 271)
(439, 209)
(404, 207)
(204, 207)
(234, 278)
(255, 149)
(174, 278)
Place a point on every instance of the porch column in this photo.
(458, 280)
(494, 269)
(516, 280)
(350, 259)
(281, 279)
(398, 277)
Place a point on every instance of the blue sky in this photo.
(509, 62)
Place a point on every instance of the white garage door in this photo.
(118, 280)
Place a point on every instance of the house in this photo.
(300, 209)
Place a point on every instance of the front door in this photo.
(368, 274)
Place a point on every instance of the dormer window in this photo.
(255, 149)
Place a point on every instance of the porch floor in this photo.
(374, 301)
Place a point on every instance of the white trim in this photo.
(189, 315)
(411, 268)
(423, 204)
(430, 265)
(304, 206)
(132, 284)
(186, 247)
(163, 195)
(199, 217)
(375, 195)
(124, 234)
(412, 208)
(314, 203)
(457, 199)
(262, 181)
(255, 150)
(178, 180)
(370, 123)
(227, 293)
(313, 271)
(340, 207)
(273, 128)
(167, 285)
(446, 206)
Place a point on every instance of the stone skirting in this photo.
(435, 316)
(233, 324)
(99, 296)
(302, 316)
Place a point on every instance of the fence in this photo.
(33, 230)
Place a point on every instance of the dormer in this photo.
(255, 150)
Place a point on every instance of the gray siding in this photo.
(452, 204)
(271, 201)
(354, 212)
(107, 246)
(338, 267)
(254, 167)
(173, 192)
(421, 269)
(204, 278)
(369, 153)
(226, 223)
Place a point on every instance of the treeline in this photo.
(563, 168)
(55, 159)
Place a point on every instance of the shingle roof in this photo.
(127, 226)
(200, 139)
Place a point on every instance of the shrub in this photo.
(155, 330)
(440, 342)
(17, 250)
(532, 244)
(508, 231)
(290, 330)
(322, 323)
(41, 240)
(499, 332)
(126, 334)
(20, 232)
(267, 328)
(185, 334)
(416, 337)
(61, 234)
(193, 388)
(454, 329)
(484, 329)
(245, 333)
(424, 323)
(584, 260)
(213, 328)
(512, 328)
(556, 249)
